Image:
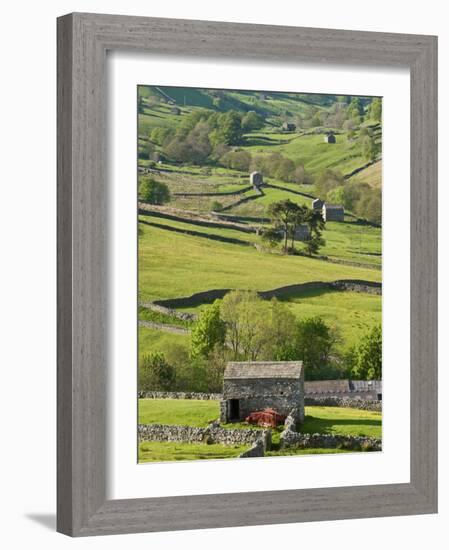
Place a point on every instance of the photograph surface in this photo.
(260, 273)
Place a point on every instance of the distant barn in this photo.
(302, 232)
(288, 127)
(256, 179)
(330, 138)
(317, 204)
(333, 213)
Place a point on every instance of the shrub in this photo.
(155, 373)
(154, 192)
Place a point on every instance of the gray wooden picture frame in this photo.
(83, 40)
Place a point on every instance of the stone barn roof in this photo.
(263, 369)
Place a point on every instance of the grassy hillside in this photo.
(205, 145)
(167, 261)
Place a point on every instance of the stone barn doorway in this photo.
(234, 410)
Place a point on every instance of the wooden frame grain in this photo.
(83, 40)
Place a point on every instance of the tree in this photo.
(154, 192)
(315, 222)
(228, 130)
(237, 160)
(247, 324)
(366, 358)
(370, 149)
(376, 109)
(216, 206)
(282, 330)
(326, 181)
(209, 331)
(252, 121)
(285, 215)
(271, 236)
(355, 108)
(312, 344)
(155, 373)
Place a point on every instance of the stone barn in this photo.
(333, 213)
(256, 385)
(317, 204)
(288, 127)
(256, 179)
(330, 138)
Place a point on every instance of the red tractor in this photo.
(268, 418)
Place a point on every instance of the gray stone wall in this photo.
(209, 296)
(214, 433)
(178, 395)
(362, 404)
(290, 438)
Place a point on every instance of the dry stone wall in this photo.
(214, 433)
(179, 395)
(209, 296)
(290, 438)
(361, 404)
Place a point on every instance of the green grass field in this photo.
(352, 314)
(331, 420)
(167, 261)
(342, 421)
(155, 451)
(152, 340)
(186, 412)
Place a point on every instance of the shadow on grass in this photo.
(323, 425)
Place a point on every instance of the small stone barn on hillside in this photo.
(333, 213)
(256, 179)
(330, 138)
(256, 385)
(317, 204)
(288, 127)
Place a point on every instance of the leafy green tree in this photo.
(247, 324)
(366, 358)
(271, 236)
(155, 373)
(326, 181)
(154, 192)
(286, 215)
(282, 330)
(370, 149)
(313, 343)
(237, 160)
(209, 331)
(229, 129)
(376, 109)
(252, 121)
(161, 135)
(355, 108)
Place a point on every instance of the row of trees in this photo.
(345, 113)
(205, 134)
(244, 327)
(209, 137)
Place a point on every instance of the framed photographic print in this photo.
(247, 274)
